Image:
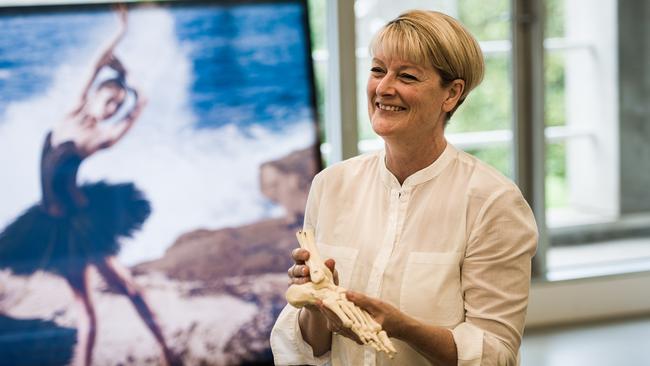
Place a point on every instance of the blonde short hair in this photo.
(434, 39)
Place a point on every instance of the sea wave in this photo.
(195, 178)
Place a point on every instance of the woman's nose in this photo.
(386, 86)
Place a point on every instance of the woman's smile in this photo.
(389, 107)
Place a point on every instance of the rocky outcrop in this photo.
(287, 181)
(213, 256)
(257, 248)
(250, 261)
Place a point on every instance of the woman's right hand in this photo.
(299, 272)
(319, 313)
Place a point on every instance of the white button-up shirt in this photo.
(451, 247)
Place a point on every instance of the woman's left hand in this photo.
(389, 317)
(335, 325)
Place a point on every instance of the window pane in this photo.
(497, 156)
(554, 26)
(556, 185)
(488, 107)
(554, 97)
(580, 114)
(487, 20)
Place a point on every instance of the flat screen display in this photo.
(155, 161)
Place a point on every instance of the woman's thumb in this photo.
(330, 263)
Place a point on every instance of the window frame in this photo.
(529, 135)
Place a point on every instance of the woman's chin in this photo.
(383, 130)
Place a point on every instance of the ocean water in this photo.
(228, 89)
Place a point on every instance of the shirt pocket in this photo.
(431, 289)
(345, 258)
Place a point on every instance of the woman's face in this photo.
(105, 102)
(406, 100)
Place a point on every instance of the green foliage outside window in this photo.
(490, 106)
(555, 107)
(487, 20)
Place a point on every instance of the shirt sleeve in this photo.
(313, 202)
(287, 344)
(496, 280)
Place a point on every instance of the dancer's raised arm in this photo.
(107, 58)
(109, 135)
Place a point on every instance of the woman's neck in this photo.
(404, 159)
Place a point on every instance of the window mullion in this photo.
(341, 104)
(528, 128)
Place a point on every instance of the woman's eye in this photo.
(408, 77)
(376, 70)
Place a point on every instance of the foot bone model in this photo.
(322, 288)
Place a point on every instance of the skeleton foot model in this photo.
(322, 288)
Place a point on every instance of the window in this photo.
(587, 185)
(581, 113)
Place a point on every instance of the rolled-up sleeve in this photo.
(496, 281)
(287, 344)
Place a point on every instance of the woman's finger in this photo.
(298, 270)
(361, 300)
(300, 255)
(335, 325)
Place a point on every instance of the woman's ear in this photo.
(455, 90)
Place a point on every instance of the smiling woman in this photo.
(438, 44)
(435, 244)
(421, 72)
(400, 94)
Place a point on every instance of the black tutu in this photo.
(37, 240)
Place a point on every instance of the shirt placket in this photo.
(397, 209)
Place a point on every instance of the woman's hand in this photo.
(299, 272)
(435, 343)
(335, 325)
(316, 317)
(389, 317)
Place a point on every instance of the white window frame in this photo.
(558, 300)
(588, 132)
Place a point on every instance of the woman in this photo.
(433, 243)
(75, 227)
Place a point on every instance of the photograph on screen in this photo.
(155, 162)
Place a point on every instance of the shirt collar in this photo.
(423, 175)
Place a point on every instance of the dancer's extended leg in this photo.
(119, 277)
(87, 321)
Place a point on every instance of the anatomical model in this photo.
(322, 288)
